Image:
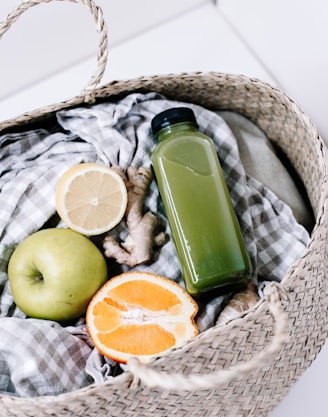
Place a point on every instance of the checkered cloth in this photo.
(40, 357)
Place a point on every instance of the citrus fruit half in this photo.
(91, 198)
(140, 314)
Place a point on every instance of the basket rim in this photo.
(103, 91)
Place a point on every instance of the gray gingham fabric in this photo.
(41, 357)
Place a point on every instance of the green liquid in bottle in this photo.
(203, 223)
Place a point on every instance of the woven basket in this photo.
(245, 367)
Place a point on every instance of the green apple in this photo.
(54, 273)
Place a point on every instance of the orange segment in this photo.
(91, 198)
(146, 294)
(140, 314)
(106, 317)
(137, 340)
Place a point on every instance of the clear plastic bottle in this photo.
(203, 223)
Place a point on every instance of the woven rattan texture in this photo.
(303, 293)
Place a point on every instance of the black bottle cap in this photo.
(172, 116)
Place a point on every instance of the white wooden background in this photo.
(50, 53)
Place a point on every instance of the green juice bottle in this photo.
(203, 223)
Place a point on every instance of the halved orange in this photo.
(91, 198)
(140, 314)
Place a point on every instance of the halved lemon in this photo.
(140, 314)
(91, 198)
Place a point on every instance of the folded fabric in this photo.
(115, 134)
(260, 161)
(39, 357)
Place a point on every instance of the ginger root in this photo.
(139, 245)
(240, 302)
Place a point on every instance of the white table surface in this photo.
(198, 40)
(290, 39)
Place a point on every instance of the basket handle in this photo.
(178, 382)
(88, 91)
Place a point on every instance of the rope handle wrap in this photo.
(178, 382)
(88, 91)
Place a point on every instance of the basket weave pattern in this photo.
(303, 291)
